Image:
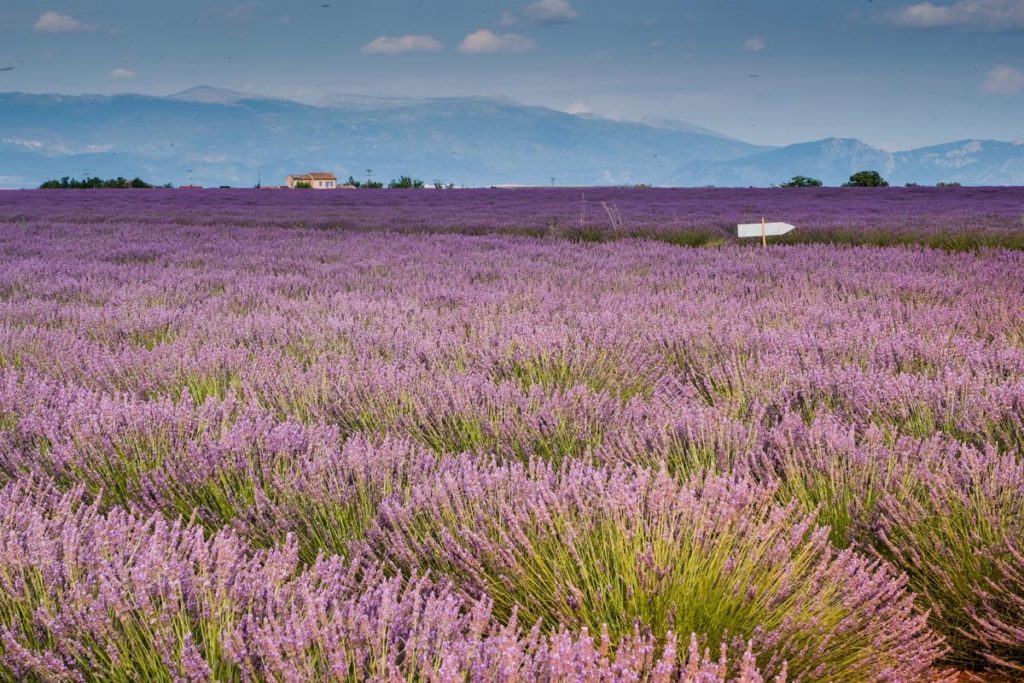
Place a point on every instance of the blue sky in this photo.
(897, 74)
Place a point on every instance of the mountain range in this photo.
(212, 136)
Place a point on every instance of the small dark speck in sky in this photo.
(7, 68)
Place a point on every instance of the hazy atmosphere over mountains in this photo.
(212, 136)
(513, 91)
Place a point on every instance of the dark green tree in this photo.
(802, 181)
(405, 183)
(94, 182)
(866, 179)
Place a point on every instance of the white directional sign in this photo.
(769, 229)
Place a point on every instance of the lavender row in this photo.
(953, 218)
(118, 596)
(235, 467)
(465, 344)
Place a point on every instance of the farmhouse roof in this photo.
(314, 176)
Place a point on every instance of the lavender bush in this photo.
(584, 547)
(959, 542)
(119, 597)
(995, 621)
(224, 464)
(846, 476)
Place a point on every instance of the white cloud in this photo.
(388, 45)
(1004, 80)
(120, 74)
(755, 44)
(551, 11)
(52, 22)
(990, 14)
(487, 42)
(578, 108)
(55, 148)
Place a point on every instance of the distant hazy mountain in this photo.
(222, 137)
(214, 136)
(204, 94)
(681, 126)
(833, 160)
(971, 162)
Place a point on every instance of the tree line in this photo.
(859, 179)
(402, 183)
(69, 183)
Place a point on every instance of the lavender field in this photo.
(454, 436)
(952, 218)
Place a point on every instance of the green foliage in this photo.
(405, 183)
(353, 182)
(802, 181)
(69, 183)
(866, 179)
(600, 371)
(952, 537)
(303, 186)
(608, 553)
(844, 478)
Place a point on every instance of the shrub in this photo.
(842, 475)
(997, 624)
(802, 181)
(225, 465)
(615, 549)
(958, 541)
(121, 597)
(697, 441)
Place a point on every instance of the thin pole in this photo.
(764, 238)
